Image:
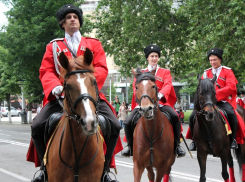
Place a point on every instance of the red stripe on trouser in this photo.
(166, 178)
(243, 172)
(227, 180)
(232, 176)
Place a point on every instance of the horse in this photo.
(153, 144)
(239, 153)
(75, 152)
(209, 131)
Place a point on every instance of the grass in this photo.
(187, 115)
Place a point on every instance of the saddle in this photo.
(137, 116)
(54, 119)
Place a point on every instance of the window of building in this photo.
(117, 78)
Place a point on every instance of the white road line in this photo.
(19, 132)
(14, 175)
(4, 134)
(173, 173)
(14, 143)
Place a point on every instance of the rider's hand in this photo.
(160, 95)
(57, 90)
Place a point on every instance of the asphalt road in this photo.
(14, 142)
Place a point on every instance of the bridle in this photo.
(74, 116)
(85, 96)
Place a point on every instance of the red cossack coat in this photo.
(226, 85)
(164, 85)
(50, 78)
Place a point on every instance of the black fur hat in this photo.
(69, 8)
(152, 48)
(215, 51)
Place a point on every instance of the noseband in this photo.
(85, 96)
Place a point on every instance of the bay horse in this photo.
(209, 131)
(75, 152)
(153, 144)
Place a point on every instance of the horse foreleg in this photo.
(231, 167)
(151, 175)
(138, 170)
(202, 158)
(224, 156)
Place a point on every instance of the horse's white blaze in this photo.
(89, 114)
(145, 82)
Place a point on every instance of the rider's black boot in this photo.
(179, 151)
(129, 135)
(192, 146)
(40, 147)
(110, 150)
(233, 125)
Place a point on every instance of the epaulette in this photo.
(226, 67)
(91, 38)
(56, 39)
(208, 69)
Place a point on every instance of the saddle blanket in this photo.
(240, 135)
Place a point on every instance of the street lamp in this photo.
(110, 75)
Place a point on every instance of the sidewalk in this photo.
(15, 119)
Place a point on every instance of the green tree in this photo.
(113, 91)
(31, 26)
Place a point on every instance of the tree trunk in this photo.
(9, 111)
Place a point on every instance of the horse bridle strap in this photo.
(84, 97)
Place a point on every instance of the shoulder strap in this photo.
(74, 55)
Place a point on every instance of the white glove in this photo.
(57, 90)
(160, 95)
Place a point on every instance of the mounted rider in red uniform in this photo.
(70, 19)
(166, 96)
(226, 91)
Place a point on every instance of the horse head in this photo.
(206, 97)
(81, 91)
(146, 93)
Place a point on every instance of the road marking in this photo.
(14, 175)
(4, 134)
(19, 132)
(173, 173)
(14, 143)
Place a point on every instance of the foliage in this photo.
(31, 26)
(113, 91)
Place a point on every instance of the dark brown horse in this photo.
(209, 132)
(75, 152)
(153, 137)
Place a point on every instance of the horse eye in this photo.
(153, 86)
(136, 88)
(94, 82)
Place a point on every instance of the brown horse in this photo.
(75, 152)
(240, 152)
(209, 131)
(153, 137)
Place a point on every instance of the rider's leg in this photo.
(232, 120)
(37, 132)
(191, 124)
(105, 110)
(129, 133)
(176, 127)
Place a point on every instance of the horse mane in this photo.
(143, 75)
(206, 87)
(76, 64)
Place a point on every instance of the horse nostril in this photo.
(150, 108)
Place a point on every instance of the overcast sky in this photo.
(3, 19)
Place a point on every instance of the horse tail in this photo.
(238, 155)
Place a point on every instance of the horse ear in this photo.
(153, 72)
(214, 78)
(198, 77)
(88, 56)
(134, 72)
(64, 60)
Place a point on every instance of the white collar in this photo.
(76, 36)
(217, 70)
(150, 68)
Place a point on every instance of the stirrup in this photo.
(41, 172)
(109, 176)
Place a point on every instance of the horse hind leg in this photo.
(150, 173)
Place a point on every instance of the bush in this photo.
(187, 115)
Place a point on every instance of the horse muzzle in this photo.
(209, 116)
(147, 112)
(89, 125)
